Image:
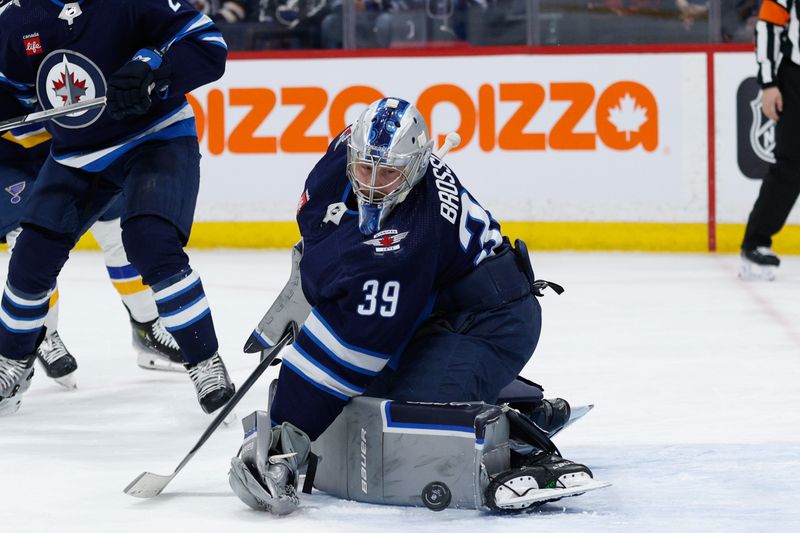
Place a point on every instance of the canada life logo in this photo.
(33, 44)
(559, 116)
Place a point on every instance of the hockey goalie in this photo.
(413, 316)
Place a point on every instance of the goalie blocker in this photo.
(461, 455)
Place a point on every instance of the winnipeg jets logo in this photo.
(68, 88)
(386, 240)
(15, 190)
(66, 77)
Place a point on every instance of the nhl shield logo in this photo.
(755, 133)
(65, 78)
(762, 132)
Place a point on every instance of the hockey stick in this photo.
(452, 140)
(49, 114)
(149, 485)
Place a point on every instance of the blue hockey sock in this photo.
(184, 311)
(22, 316)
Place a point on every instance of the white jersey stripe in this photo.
(186, 316)
(317, 374)
(164, 294)
(319, 332)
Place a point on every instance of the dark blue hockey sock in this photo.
(22, 316)
(184, 311)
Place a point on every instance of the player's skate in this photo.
(538, 479)
(156, 347)
(759, 264)
(56, 360)
(210, 378)
(15, 378)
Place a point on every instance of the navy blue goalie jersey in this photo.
(54, 53)
(370, 292)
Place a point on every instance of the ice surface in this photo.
(694, 375)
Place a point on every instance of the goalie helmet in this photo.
(387, 154)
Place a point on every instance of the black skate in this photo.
(210, 378)
(15, 378)
(550, 415)
(541, 478)
(56, 360)
(759, 264)
(156, 347)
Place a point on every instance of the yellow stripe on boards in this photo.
(584, 236)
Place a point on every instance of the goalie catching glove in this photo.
(265, 473)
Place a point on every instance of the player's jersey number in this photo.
(382, 301)
(488, 237)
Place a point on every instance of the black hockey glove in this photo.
(132, 87)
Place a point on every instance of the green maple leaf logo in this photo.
(627, 116)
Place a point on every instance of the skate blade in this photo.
(68, 381)
(550, 495)
(576, 413)
(753, 272)
(152, 361)
(9, 406)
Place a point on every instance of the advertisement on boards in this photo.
(745, 138)
(544, 138)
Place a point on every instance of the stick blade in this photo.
(147, 485)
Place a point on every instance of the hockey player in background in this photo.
(778, 56)
(409, 292)
(144, 56)
(21, 157)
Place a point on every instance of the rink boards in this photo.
(574, 148)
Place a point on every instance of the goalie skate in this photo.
(155, 347)
(547, 478)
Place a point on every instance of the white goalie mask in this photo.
(388, 153)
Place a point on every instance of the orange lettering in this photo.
(216, 122)
(531, 98)
(486, 117)
(563, 136)
(294, 138)
(242, 139)
(359, 94)
(199, 116)
(455, 95)
(627, 115)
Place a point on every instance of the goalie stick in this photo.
(149, 485)
(452, 140)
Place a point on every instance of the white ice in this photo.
(694, 374)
